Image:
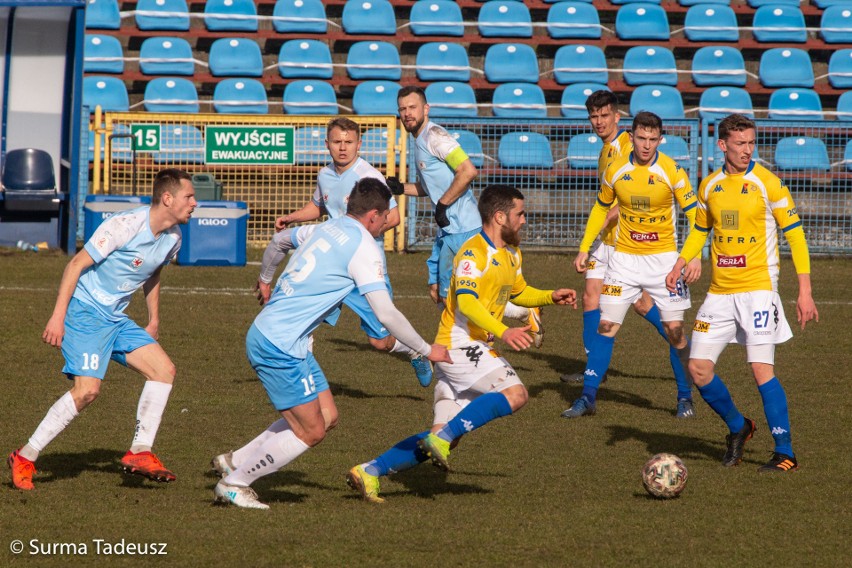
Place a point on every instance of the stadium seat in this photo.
(795, 104)
(711, 22)
(718, 65)
(801, 153)
(102, 15)
(620, 2)
(779, 24)
(759, 3)
(580, 64)
(240, 96)
(651, 65)
(232, 57)
(170, 94)
(230, 16)
(438, 61)
(180, 144)
(823, 4)
(519, 100)
(471, 144)
(166, 15)
(506, 62)
(662, 100)
(305, 58)
(573, 20)
(641, 21)
(374, 146)
(373, 60)
(376, 97)
(374, 17)
(451, 99)
(840, 69)
(505, 19)
(166, 56)
(689, 3)
(436, 18)
(675, 148)
(786, 67)
(310, 145)
(574, 99)
(583, 151)
(299, 16)
(102, 54)
(524, 150)
(836, 24)
(844, 106)
(309, 97)
(29, 180)
(108, 92)
(718, 102)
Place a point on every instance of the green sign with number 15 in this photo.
(146, 137)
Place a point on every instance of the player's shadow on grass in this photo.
(687, 447)
(56, 467)
(341, 391)
(271, 489)
(428, 482)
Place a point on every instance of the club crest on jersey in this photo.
(136, 262)
(744, 190)
(650, 180)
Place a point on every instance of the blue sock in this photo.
(402, 456)
(591, 320)
(597, 366)
(775, 408)
(653, 317)
(684, 385)
(716, 394)
(481, 410)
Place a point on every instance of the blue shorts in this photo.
(288, 381)
(90, 341)
(369, 322)
(440, 263)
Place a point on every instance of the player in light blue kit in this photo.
(126, 252)
(334, 184)
(333, 259)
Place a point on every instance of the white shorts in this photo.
(629, 274)
(598, 262)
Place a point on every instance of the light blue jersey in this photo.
(333, 259)
(333, 189)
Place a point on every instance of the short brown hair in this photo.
(343, 123)
(734, 123)
(412, 90)
(168, 180)
(601, 99)
(496, 198)
(647, 120)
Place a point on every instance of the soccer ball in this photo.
(664, 476)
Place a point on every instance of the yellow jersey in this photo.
(620, 146)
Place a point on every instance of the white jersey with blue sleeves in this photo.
(126, 254)
(332, 259)
(431, 149)
(333, 189)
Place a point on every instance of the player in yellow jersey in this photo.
(646, 185)
(604, 117)
(742, 203)
(480, 385)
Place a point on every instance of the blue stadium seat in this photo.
(574, 99)
(844, 106)
(519, 100)
(583, 151)
(801, 153)
(718, 65)
(166, 56)
(779, 24)
(374, 17)
(471, 144)
(436, 18)
(374, 146)
(506, 62)
(823, 4)
(847, 156)
(711, 22)
(439, 61)
(180, 144)
(306, 58)
(662, 100)
(524, 150)
(641, 21)
(376, 97)
(310, 145)
(650, 65)
(795, 104)
(108, 92)
(102, 15)
(162, 15)
(240, 96)
(619, 2)
(309, 97)
(233, 57)
(836, 24)
(556, 1)
(675, 148)
(786, 67)
(580, 64)
(299, 16)
(759, 3)
(170, 94)
(573, 20)
(102, 54)
(688, 3)
(230, 16)
(718, 102)
(374, 60)
(840, 69)
(505, 19)
(451, 99)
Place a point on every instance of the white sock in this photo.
(152, 403)
(57, 418)
(399, 347)
(240, 456)
(276, 452)
(516, 312)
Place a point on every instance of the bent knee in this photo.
(383, 344)
(329, 418)
(315, 435)
(517, 397)
(701, 371)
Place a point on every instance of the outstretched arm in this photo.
(396, 323)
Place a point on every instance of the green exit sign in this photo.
(249, 145)
(146, 137)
